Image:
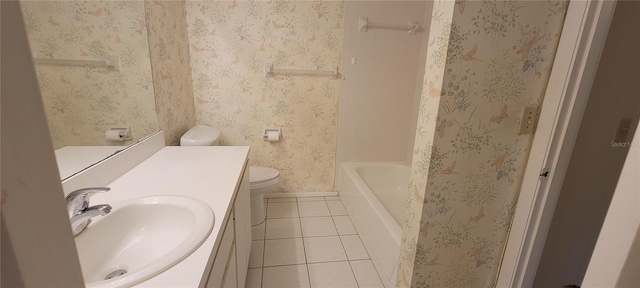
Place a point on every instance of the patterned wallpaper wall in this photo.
(229, 43)
(486, 60)
(169, 49)
(82, 102)
(425, 130)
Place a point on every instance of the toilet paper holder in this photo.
(119, 133)
(270, 130)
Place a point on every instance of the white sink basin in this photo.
(141, 238)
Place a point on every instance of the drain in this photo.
(115, 274)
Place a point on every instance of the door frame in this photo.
(574, 68)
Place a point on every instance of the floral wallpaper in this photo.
(82, 102)
(169, 49)
(229, 43)
(426, 127)
(486, 61)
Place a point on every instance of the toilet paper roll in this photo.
(273, 136)
(114, 135)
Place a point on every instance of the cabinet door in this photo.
(242, 208)
(226, 248)
(230, 276)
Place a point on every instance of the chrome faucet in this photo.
(80, 213)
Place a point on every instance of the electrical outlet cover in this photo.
(528, 120)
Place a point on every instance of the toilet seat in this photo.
(262, 177)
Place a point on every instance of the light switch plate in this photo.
(528, 119)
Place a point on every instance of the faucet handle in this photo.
(79, 200)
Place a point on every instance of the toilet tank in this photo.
(201, 135)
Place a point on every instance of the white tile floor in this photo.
(308, 242)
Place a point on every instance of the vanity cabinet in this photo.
(231, 261)
(242, 212)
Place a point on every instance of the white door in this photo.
(616, 258)
(581, 43)
(597, 158)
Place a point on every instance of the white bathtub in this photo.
(374, 195)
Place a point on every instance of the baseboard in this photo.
(300, 194)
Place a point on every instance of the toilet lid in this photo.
(200, 135)
(260, 174)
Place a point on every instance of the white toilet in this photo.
(262, 179)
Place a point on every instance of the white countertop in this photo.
(207, 173)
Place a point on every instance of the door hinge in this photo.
(544, 173)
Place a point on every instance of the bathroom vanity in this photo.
(216, 176)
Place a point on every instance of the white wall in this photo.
(614, 246)
(629, 276)
(595, 165)
(380, 94)
(36, 234)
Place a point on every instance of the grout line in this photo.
(294, 202)
(264, 245)
(306, 263)
(347, 255)
(289, 218)
(282, 265)
(325, 204)
(285, 265)
(304, 249)
(286, 238)
(325, 236)
(350, 222)
(336, 261)
(353, 273)
(290, 238)
(361, 242)
(369, 254)
(374, 269)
